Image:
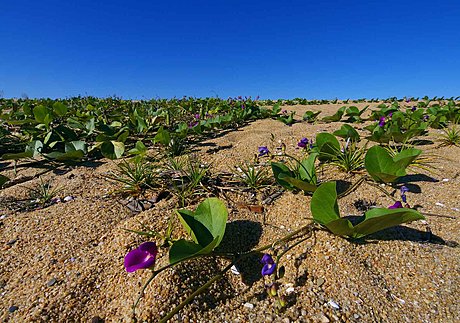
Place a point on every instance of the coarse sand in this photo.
(64, 263)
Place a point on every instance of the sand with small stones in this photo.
(64, 263)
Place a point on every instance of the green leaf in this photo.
(324, 207)
(407, 156)
(327, 146)
(139, 149)
(207, 222)
(71, 155)
(59, 108)
(381, 218)
(17, 156)
(112, 149)
(183, 249)
(335, 117)
(340, 227)
(381, 166)
(199, 233)
(347, 131)
(280, 168)
(40, 113)
(163, 137)
(75, 145)
(35, 147)
(298, 183)
(307, 169)
(3, 180)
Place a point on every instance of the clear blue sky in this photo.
(275, 49)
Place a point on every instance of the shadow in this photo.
(218, 148)
(241, 236)
(363, 205)
(421, 142)
(403, 233)
(413, 188)
(342, 186)
(417, 178)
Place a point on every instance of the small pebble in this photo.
(290, 290)
(69, 198)
(3, 216)
(248, 305)
(235, 270)
(455, 209)
(445, 179)
(324, 319)
(333, 304)
(13, 309)
(51, 282)
(440, 204)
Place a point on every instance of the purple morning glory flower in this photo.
(390, 114)
(143, 257)
(269, 265)
(263, 150)
(382, 121)
(197, 116)
(413, 108)
(397, 205)
(426, 117)
(303, 143)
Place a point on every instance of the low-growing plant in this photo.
(135, 176)
(325, 211)
(190, 175)
(254, 175)
(298, 174)
(311, 116)
(336, 116)
(43, 193)
(350, 158)
(450, 137)
(384, 168)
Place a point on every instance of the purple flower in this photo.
(142, 257)
(269, 265)
(382, 121)
(407, 100)
(404, 190)
(426, 117)
(390, 114)
(303, 143)
(413, 108)
(263, 150)
(397, 205)
(197, 116)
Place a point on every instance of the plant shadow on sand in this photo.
(243, 236)
(402, 233)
